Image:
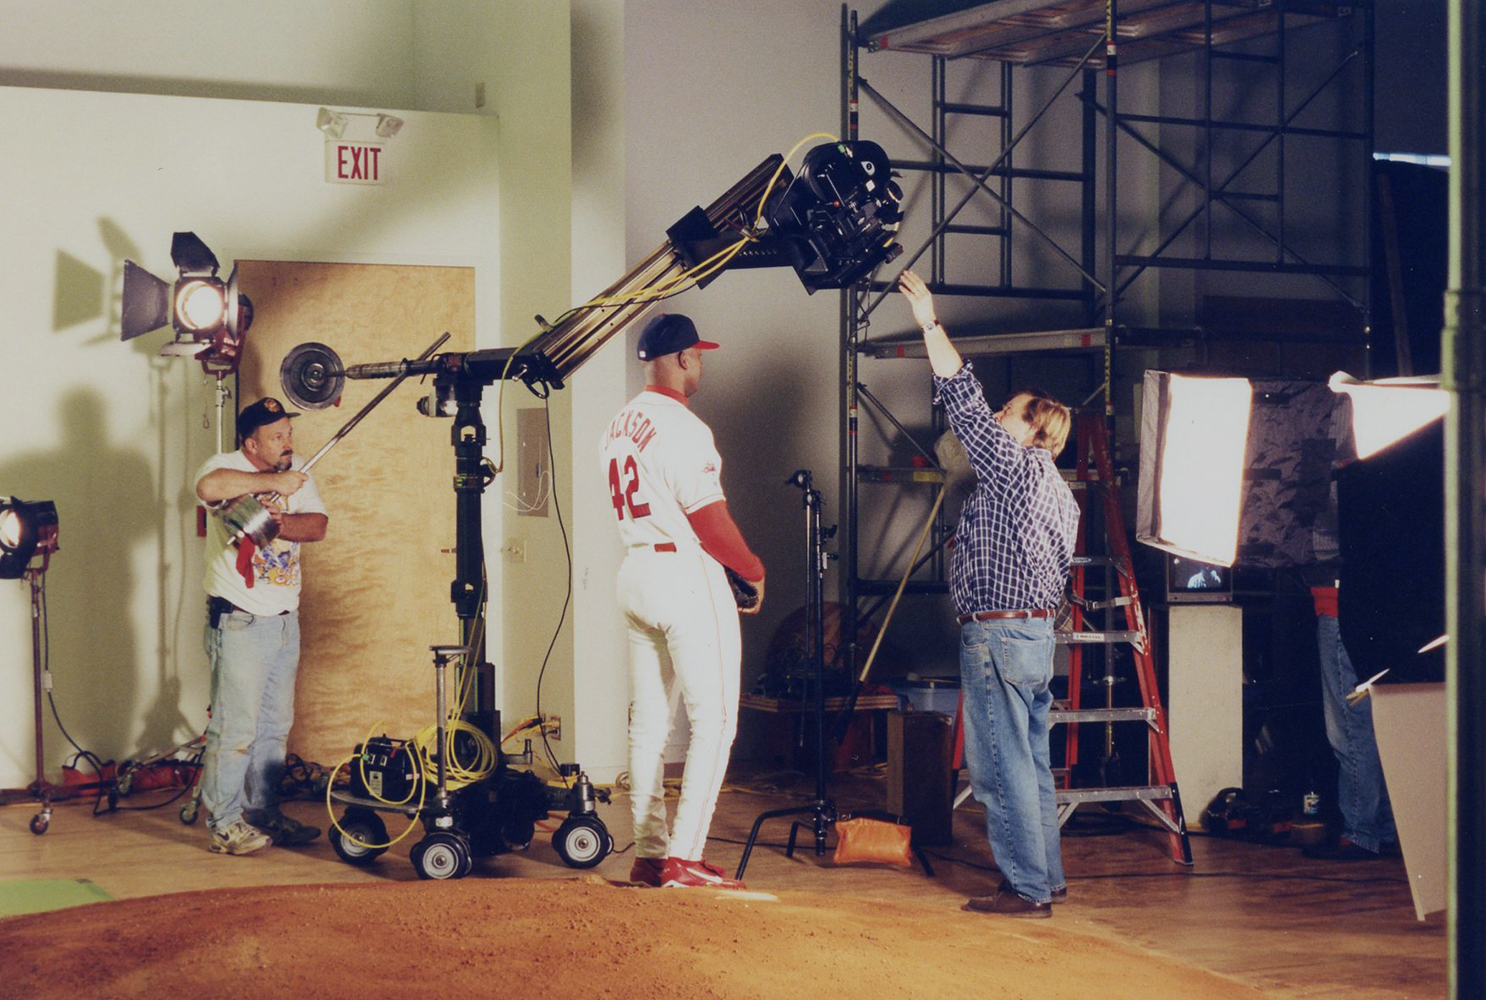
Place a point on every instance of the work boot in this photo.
(287, 831)
(1008, 903)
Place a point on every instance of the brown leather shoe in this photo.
(1059, 895)
(1009, 904)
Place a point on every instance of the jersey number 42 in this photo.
(622, 488)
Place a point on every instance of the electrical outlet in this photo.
(515, 550)
(554, 727)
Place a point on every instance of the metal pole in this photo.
(848, 372)
(1207, 128)
(1111, 134)
(42, 789)
(1368, 242)
(1089, 210)
(940, 141)
(1464, 358)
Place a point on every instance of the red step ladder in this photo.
(1094, 474)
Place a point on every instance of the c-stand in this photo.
(821, 809)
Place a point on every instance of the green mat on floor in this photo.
(41, 895)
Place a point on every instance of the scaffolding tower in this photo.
(1236, 205)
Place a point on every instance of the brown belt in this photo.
(985, 616)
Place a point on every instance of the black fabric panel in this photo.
(1287, 474)
(1390, 508)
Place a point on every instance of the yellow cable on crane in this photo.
(814, 135)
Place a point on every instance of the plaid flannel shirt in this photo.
(1015, 540)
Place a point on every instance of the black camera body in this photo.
(833, 222)
(839, 215)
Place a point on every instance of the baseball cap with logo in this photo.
(266, 411)
(669, 333)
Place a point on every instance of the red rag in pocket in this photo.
(245, 561)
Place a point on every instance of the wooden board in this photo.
(376, 592)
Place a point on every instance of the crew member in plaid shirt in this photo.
(1009, 570)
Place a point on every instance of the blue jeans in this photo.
(1362, 796)
(1005, 669)
(254, 662)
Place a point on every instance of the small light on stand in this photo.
(210, 316)
(28, 533)
(27, 529)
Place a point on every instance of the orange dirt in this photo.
(574, 938)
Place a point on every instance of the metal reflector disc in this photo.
(312, 376)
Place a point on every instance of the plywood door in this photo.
(376, 590)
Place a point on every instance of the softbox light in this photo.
(1193, 438)
(1389, 410)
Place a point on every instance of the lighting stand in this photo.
(41, 789)
(822, 810)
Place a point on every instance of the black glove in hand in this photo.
(745, 594)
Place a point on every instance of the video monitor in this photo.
(1189, 581)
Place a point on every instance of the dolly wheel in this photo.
(441, 856)
(358, 829)
(582, 841)
(188, 813)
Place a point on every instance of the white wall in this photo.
(324, 52)
(599, 390)
(710, 91)
(113, 433)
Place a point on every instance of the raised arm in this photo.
(943, 357)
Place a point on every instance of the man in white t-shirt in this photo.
(252, 633)
(665, 483)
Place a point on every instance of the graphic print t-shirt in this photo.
(276, 569)
(661, 464)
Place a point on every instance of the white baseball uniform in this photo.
(661, 465)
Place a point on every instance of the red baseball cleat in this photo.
(680, 873)
(646, 871)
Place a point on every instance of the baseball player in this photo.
(665, 482)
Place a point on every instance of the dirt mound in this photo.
(564, 938)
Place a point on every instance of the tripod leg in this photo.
(753, 834)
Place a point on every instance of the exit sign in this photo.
(353, 162)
